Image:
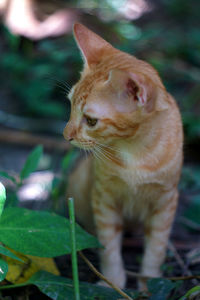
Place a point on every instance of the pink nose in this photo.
(69, 133)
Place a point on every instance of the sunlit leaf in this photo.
(40, 233)
(6, 252)
(193, 293)
(2, 197)
(3, 269)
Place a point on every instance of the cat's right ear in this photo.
(134, 91)
(92, 46)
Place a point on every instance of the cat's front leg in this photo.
(156, 236)
(108, 223)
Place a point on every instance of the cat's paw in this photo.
(142, 285)
(119, 281)
(103, 283)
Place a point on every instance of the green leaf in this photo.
(6, 252)
(69, 159)
(31, 162)
(193, 211)
(40, 233)
(6, 175)
(192, 293)
(160, 288)
(3, 269)
(2, 197)
(60, 288)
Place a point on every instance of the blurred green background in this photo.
(165, 33)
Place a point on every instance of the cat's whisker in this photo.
(63, 89)
(96, 155)
(64, 83)
(61, 84)
(102, 153)
(110, 154)
(105, 151)
(109, 147)
(85, 152)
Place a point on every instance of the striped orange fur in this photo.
(122, 113)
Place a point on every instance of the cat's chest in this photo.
(131, 173)
(124, 180)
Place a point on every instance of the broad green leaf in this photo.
(31, 162)
(2, 197)
(195, 291)
(6, 252)
(60, 288)
(6, 175)
(3, 269)
(40, 233)
(160, 288)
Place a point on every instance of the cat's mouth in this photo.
(86, 145)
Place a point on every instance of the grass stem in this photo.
(73, 248)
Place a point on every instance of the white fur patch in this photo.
(70, 95)
(98, 110)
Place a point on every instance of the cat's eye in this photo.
(91, 121)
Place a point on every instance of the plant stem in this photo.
(73, 249)
(102, 277)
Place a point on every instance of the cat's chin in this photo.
(81, 145)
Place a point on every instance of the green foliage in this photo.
(190, 179)
(190, 186)
(193, 211)
(60, 288)
(6, 175)
(6, 252)
(169, 40)
(31, 162)
(40, 233)
(37, 233)
(69, 159)
(2, 197)
(193, 293)
(160, 288)
(73, 248)
(3, 269)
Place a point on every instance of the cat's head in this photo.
(115, 94)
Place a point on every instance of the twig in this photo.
(23, 138)
(190, 223)
(179, 259)
(181, 262)
(73, 248)
(92, 267)
(137, 275)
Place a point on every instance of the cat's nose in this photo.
(69, 133)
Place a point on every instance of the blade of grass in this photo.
(73, 248)
(2, 197)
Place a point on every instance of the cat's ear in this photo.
(133, 91)
(91, 45)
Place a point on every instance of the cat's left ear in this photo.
(91, 45)
(133, 91)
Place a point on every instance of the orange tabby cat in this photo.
(122, 113)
